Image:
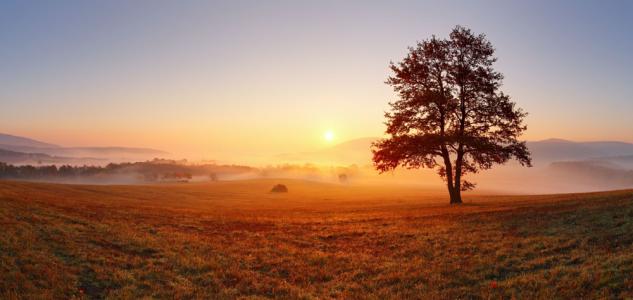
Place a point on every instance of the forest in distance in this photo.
(164, 170)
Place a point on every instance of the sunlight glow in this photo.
(328, 136)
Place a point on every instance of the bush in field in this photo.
(342, 178)
(279, 188)
(177, 176)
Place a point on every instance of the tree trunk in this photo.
(456, 196)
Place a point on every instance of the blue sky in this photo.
(224, 77)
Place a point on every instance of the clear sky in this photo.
(245, 77)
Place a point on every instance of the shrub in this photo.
(279, 188)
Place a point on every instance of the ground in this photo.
(228, 240)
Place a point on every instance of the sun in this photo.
(328, 136)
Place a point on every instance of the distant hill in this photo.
(105, 151)
(598, 173)
(7, 140)
(544, 152)
(103, 154)
(32, 148)
(14, 157)
(552, 150)
(625, 161)
(22, 158)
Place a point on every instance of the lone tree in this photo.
(450, 115)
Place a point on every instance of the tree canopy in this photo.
(450, 114)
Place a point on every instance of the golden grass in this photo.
(237, 240)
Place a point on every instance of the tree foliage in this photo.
(451, 114)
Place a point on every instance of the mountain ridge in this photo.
(9, 139)
(357, 151)
(18, 148)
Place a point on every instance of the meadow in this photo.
(226, 240)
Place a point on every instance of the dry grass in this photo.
(236, 240)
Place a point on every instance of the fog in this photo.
(560, 166)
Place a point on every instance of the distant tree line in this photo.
(149, 171)
(158, 170)
(36, 172)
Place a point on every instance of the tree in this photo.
(450, 115)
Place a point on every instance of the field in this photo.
(236, 240)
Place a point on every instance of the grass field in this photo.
(237, 240)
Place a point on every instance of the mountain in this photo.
(625, 161)
(543, 152)
(14, 157)
(596, 173)
(104, 152)
(7, 140)
(551, 150)
(101, 154)
(20, 147)
(21, 158)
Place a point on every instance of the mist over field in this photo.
(559, 166)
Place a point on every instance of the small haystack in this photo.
(342, 178)
(279, 188)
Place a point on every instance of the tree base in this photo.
(456, 196)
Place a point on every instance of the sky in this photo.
(214, 79)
